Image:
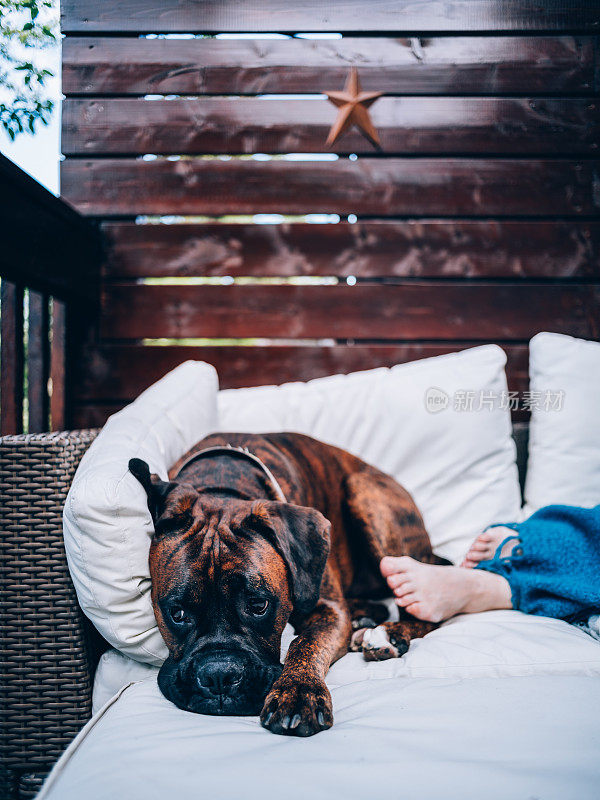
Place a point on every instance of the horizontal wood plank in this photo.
(419, 310)
(213, 16)
(439, 65)
(122, 372)
(393, 186)
(427, 249)
(412, 125)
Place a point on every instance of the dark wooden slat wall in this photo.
(460, 65)
(213, 16)
(478, 221)
(11, 358)
(390, 186)
(58, 371)
(38, 362)
(413, 125)
(117, 370)
(430, 248)
(43, 240)
(423, 310)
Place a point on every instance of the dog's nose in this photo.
(219, 677)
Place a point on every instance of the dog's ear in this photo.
(302, 537)
(170, 503)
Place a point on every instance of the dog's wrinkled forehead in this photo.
(191, 527)
(221, 540)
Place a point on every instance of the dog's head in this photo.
(226, 576)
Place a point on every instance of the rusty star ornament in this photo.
(353, 104)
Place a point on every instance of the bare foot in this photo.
(485, 545)
(436, 593)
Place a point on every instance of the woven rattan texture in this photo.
(45, 676)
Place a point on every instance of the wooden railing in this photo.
(49, 266)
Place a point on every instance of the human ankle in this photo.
(487, 592)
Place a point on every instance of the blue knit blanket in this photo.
(554, 567)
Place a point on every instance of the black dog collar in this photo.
(238, 452)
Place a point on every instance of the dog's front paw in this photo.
(378, 644)
(297, 709)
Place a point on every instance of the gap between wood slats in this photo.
(390, 186)
(428, 248)
(412, 311)
(405, 66)
(314, 15)
(123, 371)
(431, 125)
(38, 362)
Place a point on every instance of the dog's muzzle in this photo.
(218, 682)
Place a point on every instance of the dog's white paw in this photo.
(374, 643)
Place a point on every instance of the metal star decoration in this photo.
(353, 104)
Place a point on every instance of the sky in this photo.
(39, 154)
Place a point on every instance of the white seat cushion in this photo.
(498, 705)
(107, 525)
(564, 433)
(458, 464)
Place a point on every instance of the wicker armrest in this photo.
(47, 651)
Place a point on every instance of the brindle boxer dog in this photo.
(283, 528)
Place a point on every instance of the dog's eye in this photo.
(179, 616)
(258, 608)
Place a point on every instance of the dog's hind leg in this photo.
(389, 640)
(367, 613)
(386, 516)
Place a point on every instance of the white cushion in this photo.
(423, 739)
(114, 671)
(492, 644)
(498, 705)
(564, 438)
(459, 465)
(107, 525)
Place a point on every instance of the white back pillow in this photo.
(107, 525)
(459, 465)
(564, 437)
